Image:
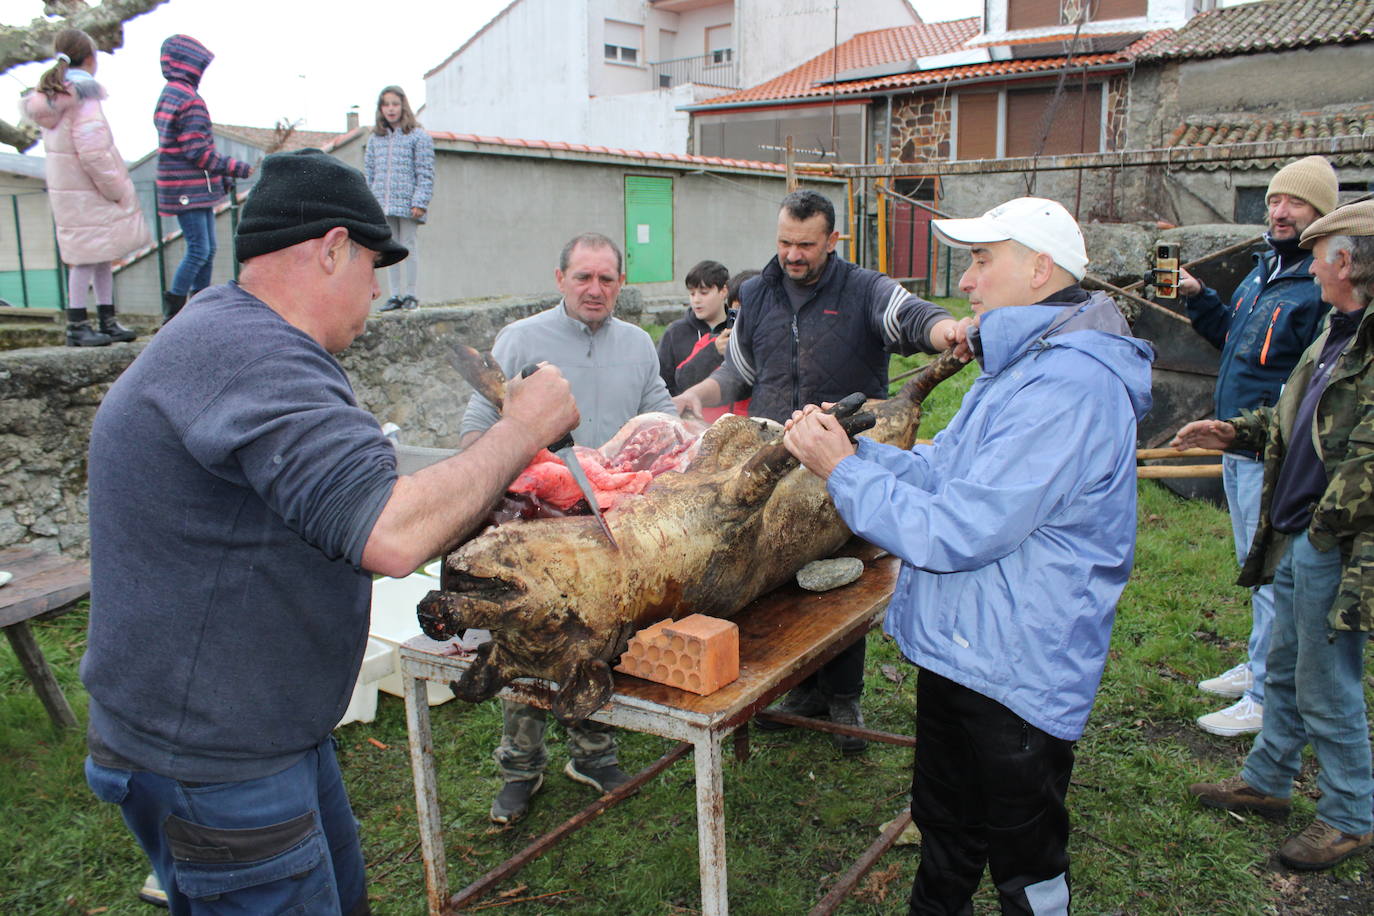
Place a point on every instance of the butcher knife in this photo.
(563, 448)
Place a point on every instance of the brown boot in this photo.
(1235, 794)
(1321, 846)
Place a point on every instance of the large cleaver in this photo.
(563, 448)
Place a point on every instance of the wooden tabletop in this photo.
(43, 581)
(779, 634)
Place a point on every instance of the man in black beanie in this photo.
(240, 502)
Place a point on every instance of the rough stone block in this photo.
(697, 653)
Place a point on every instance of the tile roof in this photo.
(1244, 127)
(801, 82)
(866, 49)
(1270, 25)
(556, 146)
(265, 138)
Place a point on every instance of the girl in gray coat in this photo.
(399, 165)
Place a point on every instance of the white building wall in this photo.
(773, 36)
(1160, 14)
(646, 121)
(525, 76)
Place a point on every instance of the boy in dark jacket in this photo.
(689, 337)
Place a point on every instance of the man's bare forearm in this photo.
(430, 511)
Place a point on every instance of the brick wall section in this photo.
(399, 369)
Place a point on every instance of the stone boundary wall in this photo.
(399, 368)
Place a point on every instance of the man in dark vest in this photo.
(813, 328)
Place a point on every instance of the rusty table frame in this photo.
(784, 637)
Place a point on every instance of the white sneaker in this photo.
(1233, 683)
(1242, 718)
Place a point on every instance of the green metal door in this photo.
(648, 229)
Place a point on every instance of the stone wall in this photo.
(399, 368)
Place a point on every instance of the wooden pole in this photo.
(791, 162)
(882, 219)
(1156, 471)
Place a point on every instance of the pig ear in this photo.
(485, 676)
(584, 690)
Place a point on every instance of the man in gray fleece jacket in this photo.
(240, 502)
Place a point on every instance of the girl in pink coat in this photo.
(93, 201)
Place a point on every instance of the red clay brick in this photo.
(697, 653)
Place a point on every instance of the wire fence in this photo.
(32, 274)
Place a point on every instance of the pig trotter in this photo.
(582, 691)
(484, 677)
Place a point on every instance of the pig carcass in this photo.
(561, 604)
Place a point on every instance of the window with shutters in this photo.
(1117, 9)
(1041, 122)
(622, 42)
(1031, 14)
(976, 117)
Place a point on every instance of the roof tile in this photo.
(801, 82)
(1228, 128)
(1269, 25)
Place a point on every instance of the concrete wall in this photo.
(500, 215)
(42, 267)
(399, 369)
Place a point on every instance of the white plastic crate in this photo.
(394, 621)
(379, 660)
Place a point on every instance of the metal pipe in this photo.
(845, 886)
(19, 242)
(479, 888)
(1167, 156)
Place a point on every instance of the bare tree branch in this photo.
(22, 44)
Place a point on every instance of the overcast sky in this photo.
(293, 60)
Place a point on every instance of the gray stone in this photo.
(823, 575)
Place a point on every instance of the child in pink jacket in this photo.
(93, 201)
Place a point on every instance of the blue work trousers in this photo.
(1316, 694)
(281, 843)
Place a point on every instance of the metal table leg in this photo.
(711, 825)
(426, 792)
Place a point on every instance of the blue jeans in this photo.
(1316, 694)
(1242, 478)
(198, 232)
(282, 842)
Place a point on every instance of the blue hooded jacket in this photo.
(1016, 527)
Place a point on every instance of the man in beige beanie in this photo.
(1261, 331)
(1314, 542)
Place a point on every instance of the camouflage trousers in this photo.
(522, 753)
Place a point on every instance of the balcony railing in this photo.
(715, 69)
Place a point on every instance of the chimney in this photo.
(352, 118)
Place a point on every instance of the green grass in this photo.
(797, 813)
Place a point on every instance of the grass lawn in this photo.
(798, 814)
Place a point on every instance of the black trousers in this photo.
(987, 790)
(843, 675)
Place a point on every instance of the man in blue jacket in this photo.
(1016, 531)
(814, 327)
(1271, 318)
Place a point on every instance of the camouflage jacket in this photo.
(1343, 434)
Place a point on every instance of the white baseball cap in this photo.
(1039, 224)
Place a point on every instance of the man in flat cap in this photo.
(240, 502)
(1314, 542)
(1261, 331)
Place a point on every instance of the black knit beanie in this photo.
(303, 194)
